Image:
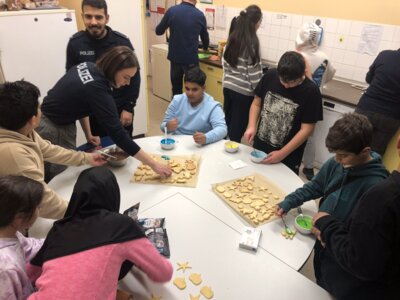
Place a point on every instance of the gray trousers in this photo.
(309, 153)
(61, 135)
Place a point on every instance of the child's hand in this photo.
(249, 135)
(274, 157)
(279, 211)
(199, 138)
(172, 125)
(96, 159)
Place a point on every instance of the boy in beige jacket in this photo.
(23, 151)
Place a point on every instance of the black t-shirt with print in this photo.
(283, 110)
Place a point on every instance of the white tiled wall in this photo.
(340, 41)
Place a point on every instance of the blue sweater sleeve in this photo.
(217, 120)
(171, 112)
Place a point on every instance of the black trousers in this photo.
(98, 130)
(176, 73)
(236, 108)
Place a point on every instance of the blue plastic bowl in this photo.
(257, 156)
(167, 144)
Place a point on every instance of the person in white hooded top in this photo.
(319, 69)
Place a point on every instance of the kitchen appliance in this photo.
(332, 112)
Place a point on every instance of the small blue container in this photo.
(167, 144)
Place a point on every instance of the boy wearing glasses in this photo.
(284, 111)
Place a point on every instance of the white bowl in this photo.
(303, 224)
(167, 144)
(257, 156)
(231, 147)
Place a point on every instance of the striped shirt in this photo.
(244, 78)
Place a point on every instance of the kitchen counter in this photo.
(336, 90)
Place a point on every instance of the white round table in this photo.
(202, 204)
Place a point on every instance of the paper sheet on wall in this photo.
(153, 5)
(220, 22)
(371, 36)
(210, 18)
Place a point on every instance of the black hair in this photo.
(351, 133)
(18, 195)
(100, 4)
(195, 75)
(291, 66)
(243, 40)
(116, 59)
(19, 102)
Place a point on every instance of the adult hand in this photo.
(96, 159)
(126, 118)
(249, 135)
(94, 140)
(172, 125)
(279, 211)
(163, 170)
(315, 230)
(199, 138)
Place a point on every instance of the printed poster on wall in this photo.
(210, 18)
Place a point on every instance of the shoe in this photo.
(309, 173)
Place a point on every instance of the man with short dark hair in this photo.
(195, 112)
(361, 255)
(90, 45)
(284, 111)
(23, 151)
(185, 23)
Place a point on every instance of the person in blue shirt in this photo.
(195, 112)
(185, 23)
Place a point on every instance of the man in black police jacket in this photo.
(89, 45)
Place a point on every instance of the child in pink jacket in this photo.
(93, 246)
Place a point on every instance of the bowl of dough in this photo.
(115, 156)
(231, 147)
(257, 156)
(167, 143)
(303, 223)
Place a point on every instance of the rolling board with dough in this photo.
(185, 170)
(253, 197)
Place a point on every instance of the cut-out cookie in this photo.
(195, 278)
(194, 297)
(154, 297)
(180, 283)
(207, 292)
(183, 266)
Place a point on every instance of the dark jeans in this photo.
(177, 72)
(384, 129)
(236, 108)
(98, 130)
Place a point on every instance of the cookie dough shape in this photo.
(194, 297)
(183, 266)
(154, 297)
(195, 278)
(180, 283)
(207, 292)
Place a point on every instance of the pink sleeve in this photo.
(33, 272)
(146, 257)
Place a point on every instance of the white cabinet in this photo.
(332, 112)
(33, 45)
(161, 72)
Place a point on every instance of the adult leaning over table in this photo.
(86, 90)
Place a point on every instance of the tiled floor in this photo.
(157, 108)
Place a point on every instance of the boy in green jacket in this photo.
(344, 178)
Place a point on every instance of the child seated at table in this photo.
(195, 112)
(20, 198)
(23, 151)
(93, 246)
(344, 178)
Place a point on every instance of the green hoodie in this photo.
(354, 182)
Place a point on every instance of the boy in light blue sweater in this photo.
(195, 112)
